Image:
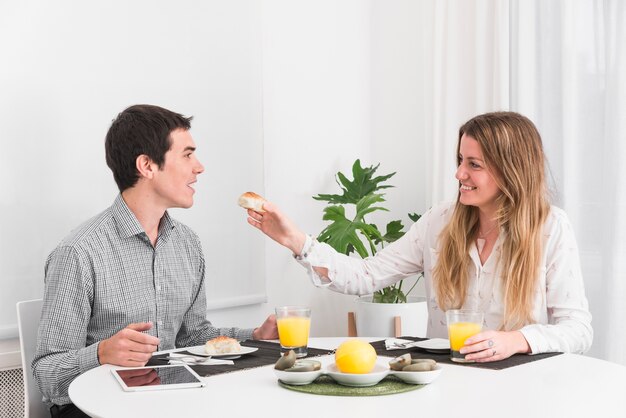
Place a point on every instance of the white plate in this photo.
(417, 378)
(434, 345)
(199, 350)
(297, 378)
(358, 380)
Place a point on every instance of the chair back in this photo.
(28, 316)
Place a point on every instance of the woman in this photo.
(501, 248)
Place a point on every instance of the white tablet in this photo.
(176, 376)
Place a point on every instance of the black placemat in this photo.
(267, 353)
(416, 352)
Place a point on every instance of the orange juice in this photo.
(461, 331)
(293, 331)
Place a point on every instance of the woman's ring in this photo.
(490, 343)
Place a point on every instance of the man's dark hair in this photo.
(140, 129)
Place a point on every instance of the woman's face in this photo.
(478, 186)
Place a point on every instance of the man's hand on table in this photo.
(267, 331)
(129, 347)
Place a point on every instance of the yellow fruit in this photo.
(355, 356)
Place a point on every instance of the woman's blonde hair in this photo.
(513, 152)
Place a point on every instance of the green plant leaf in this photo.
(341, 234)
(364, 205)
(390, 294)
(394, 231)
(363, 184)
(347, 236)
(334, 213)
(414, 217)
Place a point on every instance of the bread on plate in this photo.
(251, 200)
(222, 345)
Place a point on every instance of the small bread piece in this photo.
(222, 345)
(251, 200)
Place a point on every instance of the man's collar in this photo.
(125, 219)
(166, 224)
(128, 224)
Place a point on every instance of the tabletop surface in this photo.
(565, 385)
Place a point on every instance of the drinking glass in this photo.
(294, 323)
(462, 324)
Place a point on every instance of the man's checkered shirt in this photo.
(105, 275)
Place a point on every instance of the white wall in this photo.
(68, 68)
(316, 111)
(400, 83)
(335, 91)
(340, 81)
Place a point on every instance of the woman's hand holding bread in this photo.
(272, 222)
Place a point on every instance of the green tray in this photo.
(325, 385)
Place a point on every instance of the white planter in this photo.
(377, 319)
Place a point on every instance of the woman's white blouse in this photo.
(561, 312)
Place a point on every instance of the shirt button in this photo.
(159, 323)
(158, 288)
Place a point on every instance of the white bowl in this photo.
(418, 378)
(297, 378)
(358, 380)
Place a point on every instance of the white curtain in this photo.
(562, 64)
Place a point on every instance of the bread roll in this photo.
(222, 345)
(251, 200)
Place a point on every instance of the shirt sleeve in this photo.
(352, 275)
(62, 352)
(196, 329)
(569, 320)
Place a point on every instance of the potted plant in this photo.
(348, 236)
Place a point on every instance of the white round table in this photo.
(566, 385)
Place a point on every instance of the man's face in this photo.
(174, 181)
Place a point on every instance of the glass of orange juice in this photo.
(294, 323)
(462, 324)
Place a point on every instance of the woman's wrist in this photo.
(297, 243)
(522, 344)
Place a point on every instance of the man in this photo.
(130, 281)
